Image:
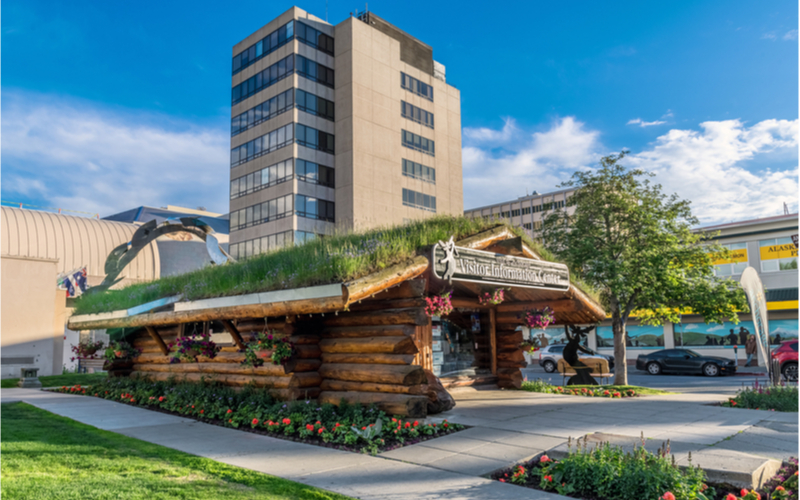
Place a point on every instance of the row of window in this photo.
(307, 171)
(269, 243)
(417, 171)
(280, 70)
(549, 206)
(417, 114)
(262, 179)
(413, 85)
(537, 225)
(283, 206)
(314, 105)
(279, 38)
(775, 254)
(265, 111)
(259, 146)
(270, 210)
(314, 139)
(419, 200)
(284, 136)
(419, 143)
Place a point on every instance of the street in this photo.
(673, 383)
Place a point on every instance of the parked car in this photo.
(549, 356)
(786, 355)
(684, 361)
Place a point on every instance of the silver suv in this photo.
(549, 356)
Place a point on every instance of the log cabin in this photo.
(369, 339)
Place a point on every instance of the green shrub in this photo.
(770, 397)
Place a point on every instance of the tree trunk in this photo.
(620, 356)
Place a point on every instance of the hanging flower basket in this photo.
(439, 305)
(189, 348)
(269, 347)
(119, 358)
(493, 298)
(530, 346)
(86, 349)
(538, 318)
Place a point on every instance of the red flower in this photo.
(731, 496)
(744, 492)
(192, 407)
(549, 479)
(255, 421)
(229, 411)
(201, 411)
(321, 430)
(161, 398)
(230, 420)
(309, 427)
(502, 480)
(408, 424)
(317, 423)
(416, 423)
(780, 488)
(545, 459)
(444, 425)
(668, 496)
(363, 428)
(286, 421)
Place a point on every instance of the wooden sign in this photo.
(477, 266)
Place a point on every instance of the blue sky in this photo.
(109, 105)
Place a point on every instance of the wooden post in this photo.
(493, 338)
(237, 338)
(161, 345)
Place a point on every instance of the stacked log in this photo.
(509, 357)
(368, 356)
(299, 378)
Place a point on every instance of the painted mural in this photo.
(728, 334)
(636, 336)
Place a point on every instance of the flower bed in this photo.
(346, 427)
(769, 397)
(599, 391)
(608, 473)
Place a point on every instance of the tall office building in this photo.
(337, 128)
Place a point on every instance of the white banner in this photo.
(754, 290)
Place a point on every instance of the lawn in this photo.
(59, 380)
(48, 456)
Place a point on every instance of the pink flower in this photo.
(545, 459)
(668, 496)
(731, 496)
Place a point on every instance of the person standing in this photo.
(750, 349)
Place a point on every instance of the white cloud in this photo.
(86, 157)
(712, 167)
(484, 134)
(769, 36)
(643, 124)
(790, 35)
(707, 167)
(536, 161)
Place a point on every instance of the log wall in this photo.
(374, 357)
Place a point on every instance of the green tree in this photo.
(636, 246)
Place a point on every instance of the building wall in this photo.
(30, 309)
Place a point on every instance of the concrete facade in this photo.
(368, 58)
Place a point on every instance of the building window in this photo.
(777, 254)
(314, 139)
(735, 264)
(419, 200)
(314, 105)
(314, 38)
(515, 212)
(416, 114)
(314, 208)
(250, 248)
(314, 71)
(262, 80)
(417, 171)
(526, 210)
(262, 179)
(266, 45)
(414, 141)
(265, 111)
(301, 237)
(263, 212)
(527, 225)
(537, 225)
(413, 85)
(260, 146)
(315, 174)
(505, 214)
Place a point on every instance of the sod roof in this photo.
(329, 260)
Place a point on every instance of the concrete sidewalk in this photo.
(507, 427)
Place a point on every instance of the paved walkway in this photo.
(508, 426)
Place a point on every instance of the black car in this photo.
(684, 361)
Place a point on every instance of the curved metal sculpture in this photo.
(123, 254)
(582, 372)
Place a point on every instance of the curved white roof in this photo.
(74, 242)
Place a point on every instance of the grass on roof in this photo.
(322, 261)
